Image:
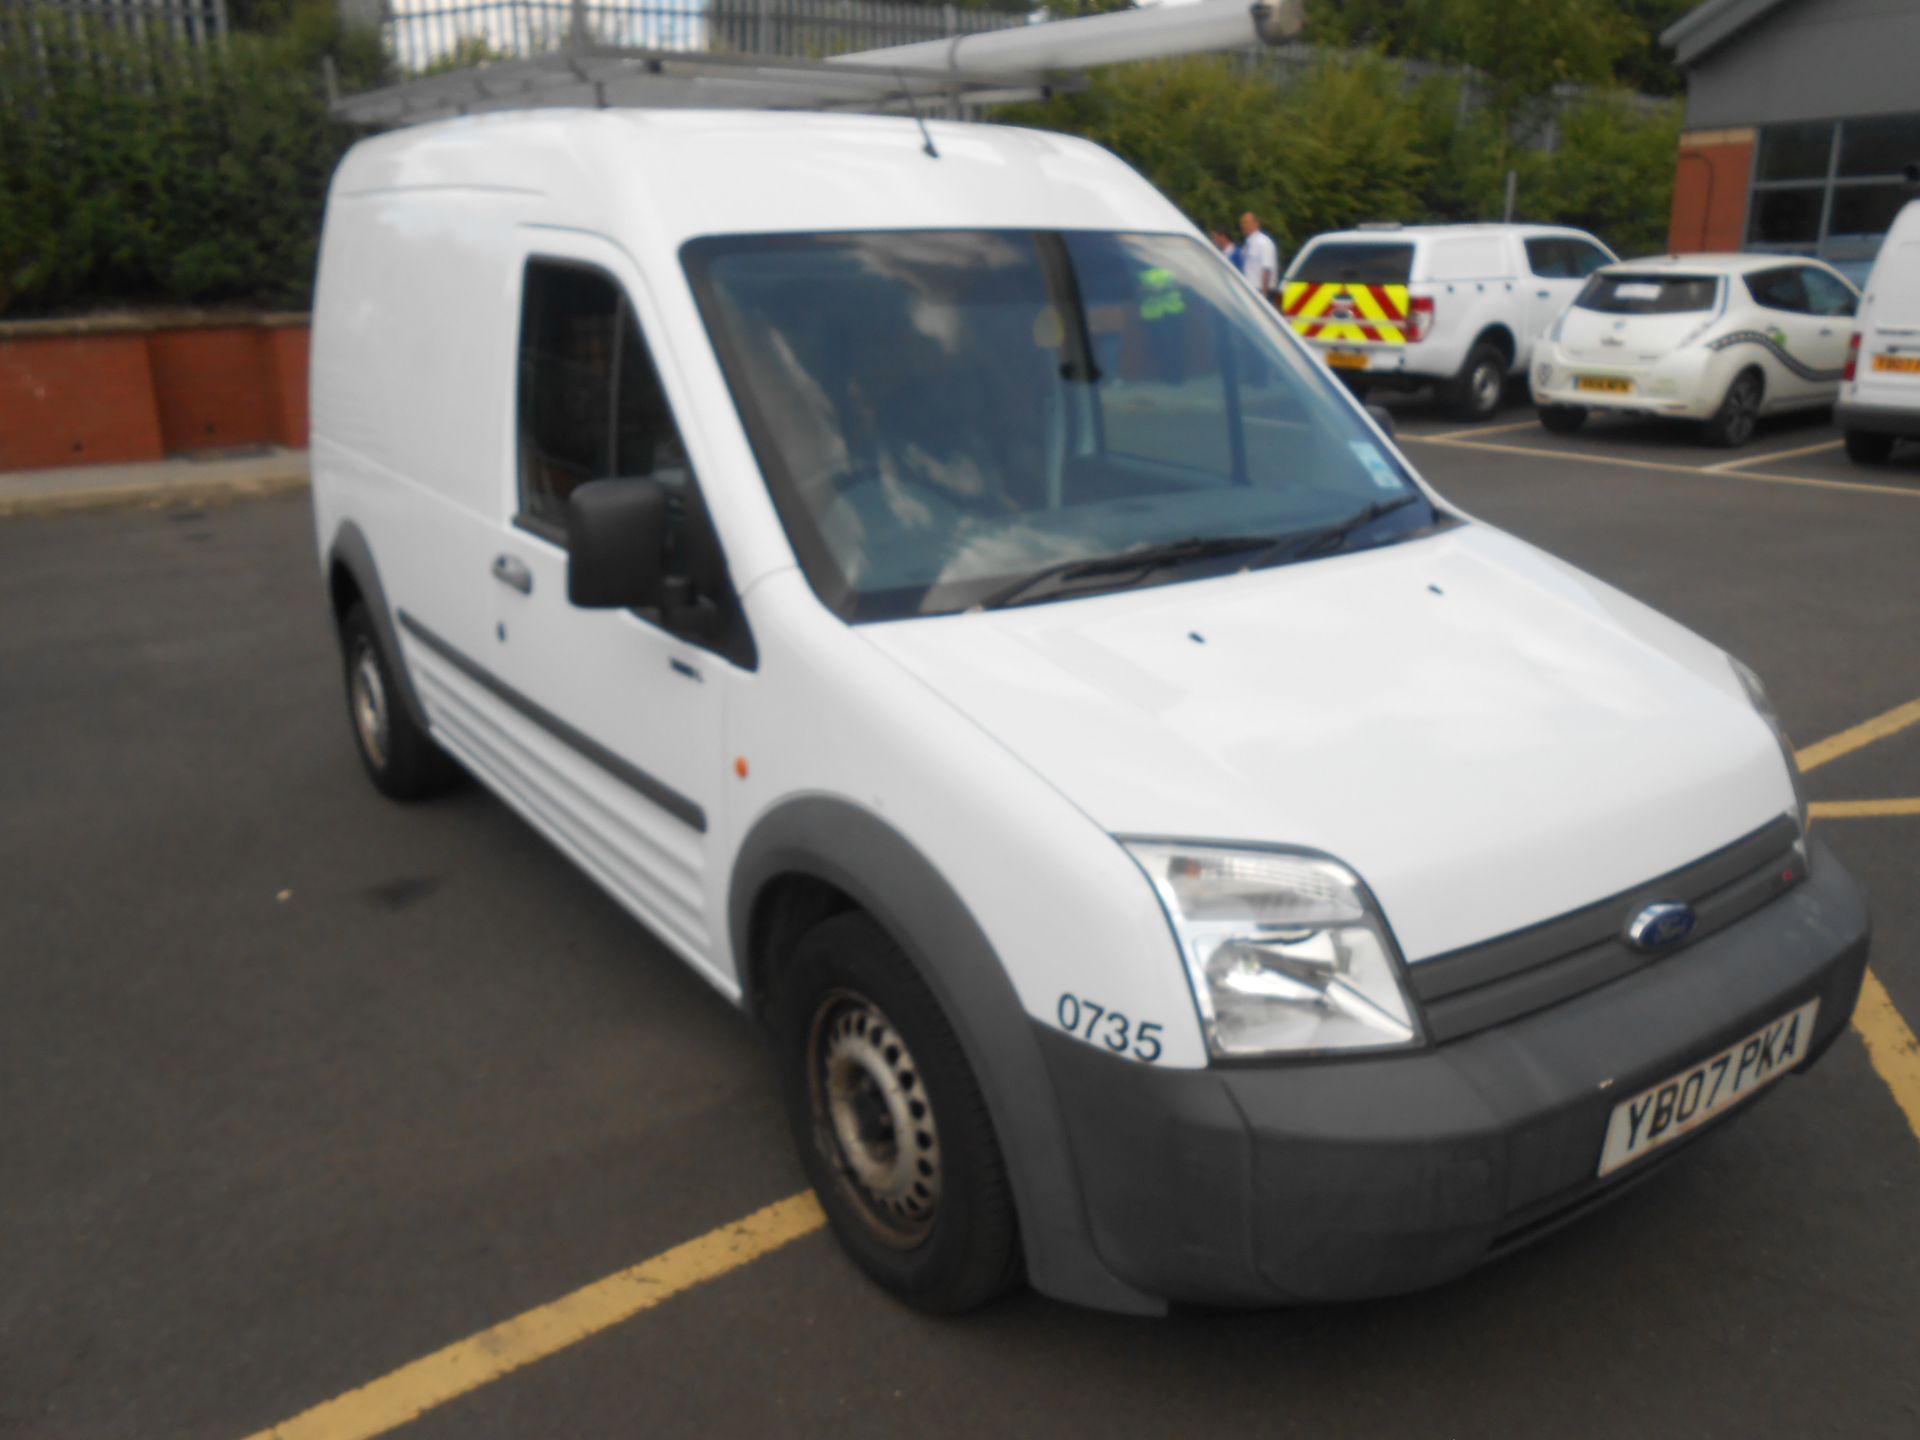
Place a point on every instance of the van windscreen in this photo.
(950, 419)
(1627, 294)
(1355, 262)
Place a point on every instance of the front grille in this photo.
(1495, 981)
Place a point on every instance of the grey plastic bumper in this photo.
(1336, 1180)
(1903, 422)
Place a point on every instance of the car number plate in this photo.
(1902, 364)
(1347, 359)
(1607, 384)
(1681, 1103)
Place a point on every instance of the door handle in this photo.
(511, 570)
(1545, 294)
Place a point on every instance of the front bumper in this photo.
(1336, 1180)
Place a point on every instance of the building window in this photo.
(1832, 189)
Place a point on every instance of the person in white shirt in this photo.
(1259, 256)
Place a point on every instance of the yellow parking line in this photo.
(1665, 467)
(412, 1390)
(1774, 455)
(1865, 733)
(1483, 430)
(1891, 1046)
(1864, 809)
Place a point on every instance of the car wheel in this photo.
(1733, 423)
(1563, 419)
(1865, 447)
(891, 1126)
(1475, 393)
(400, 758)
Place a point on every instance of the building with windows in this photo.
(1802, 117)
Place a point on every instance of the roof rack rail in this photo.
(960, 73)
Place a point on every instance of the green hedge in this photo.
(1351, 141)
(141, 171)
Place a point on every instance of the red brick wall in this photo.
(1710, 191)
(92, 392)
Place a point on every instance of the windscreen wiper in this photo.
(1331, 537)
(1145, 560)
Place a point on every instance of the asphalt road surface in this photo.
(298, 1086)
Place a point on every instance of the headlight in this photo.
(1286, 952)
(1757, 693)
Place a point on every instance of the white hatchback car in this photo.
(1722, 339)
(1176, 854)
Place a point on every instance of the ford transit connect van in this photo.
(1880, 396)
(1177, 854)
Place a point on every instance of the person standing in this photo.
(1259, 257)
(1226, 247)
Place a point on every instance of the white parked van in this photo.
(1177, 855)
(1880, 396)
(1458, 307)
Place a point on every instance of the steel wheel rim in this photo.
(367, 697)
(1486, 388)
(872, 1119)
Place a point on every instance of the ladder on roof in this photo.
(954, 76)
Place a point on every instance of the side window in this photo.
(591, 406)
(1584, 257)
(1780, 289)
(1825, 294)
(1549, 258)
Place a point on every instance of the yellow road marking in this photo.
(1774, 455)
(1864, 809)
(1865, 733)
(412, 1390)
(1891, 1046)
(1665, 467)
(1481, 430)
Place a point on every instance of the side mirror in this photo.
(616, 541)
(1383, 417)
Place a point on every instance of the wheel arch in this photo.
(814, 856)
(352, 576)
(1500, 334)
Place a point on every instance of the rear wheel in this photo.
(1475, 393)
(1563, 419)
(1733, 423)
(400, 758)
(891, 1126)
(1864, 447)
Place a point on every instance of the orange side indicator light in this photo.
(740, 766)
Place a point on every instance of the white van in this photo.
(1176, 854)
(1880, 396)
(1458, 307)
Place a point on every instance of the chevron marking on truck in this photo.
(1335, 312)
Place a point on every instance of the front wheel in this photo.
(890, 1123)
(1864, 447)
(1563, 419)
(1733, 423)
(400, 758)
(1475, 393)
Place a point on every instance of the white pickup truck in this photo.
(1458, 307)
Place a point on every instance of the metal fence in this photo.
(192, 22)
(423, 34)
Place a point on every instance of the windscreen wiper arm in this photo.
(1145, 560)
(1330, 537)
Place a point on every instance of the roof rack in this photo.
(953, 76)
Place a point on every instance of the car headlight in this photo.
(1286, 951)
(1757, 693)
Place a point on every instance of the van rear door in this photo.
(1887, 371)
(1351, 293)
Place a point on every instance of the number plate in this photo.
(1684, 1102)
(1347, 359)
(1606, 384)
(1903, 364)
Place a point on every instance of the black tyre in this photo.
(1476, 392)
(1563, 419)
(1864, 447)
(890, 1124)
(1733, 423)
(401, 758)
